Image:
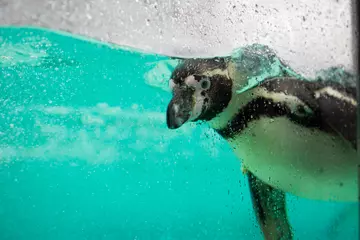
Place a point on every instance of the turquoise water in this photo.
(85, 153)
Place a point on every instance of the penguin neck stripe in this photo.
(263, 107)
(336, 94)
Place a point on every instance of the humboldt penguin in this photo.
(291, 134)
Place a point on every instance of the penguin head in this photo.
(201, 89)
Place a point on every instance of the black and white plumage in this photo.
(292, 135)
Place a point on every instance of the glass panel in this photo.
(85, 146)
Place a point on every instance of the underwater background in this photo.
(85, 152)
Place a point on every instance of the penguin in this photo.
(291, 135)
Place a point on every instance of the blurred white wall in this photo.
(307, 34)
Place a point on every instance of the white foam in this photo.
(160, 73)
(26, 52)
(99, 138)
(58, 110)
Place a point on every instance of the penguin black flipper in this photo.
(270, 209)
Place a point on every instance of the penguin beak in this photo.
(179, 109)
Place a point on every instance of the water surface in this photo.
(85, 153)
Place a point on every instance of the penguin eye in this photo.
(205, 84)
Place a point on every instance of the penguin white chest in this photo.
(301, 161)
